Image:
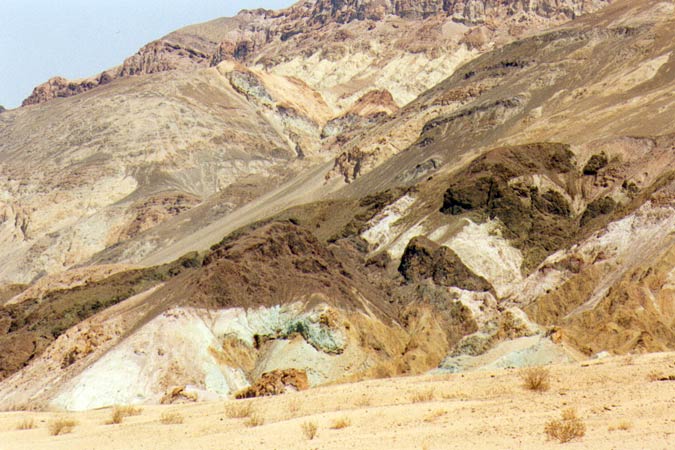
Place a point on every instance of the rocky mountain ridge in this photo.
(253, 36)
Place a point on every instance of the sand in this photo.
(486, 410)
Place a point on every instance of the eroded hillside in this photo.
(519, 212)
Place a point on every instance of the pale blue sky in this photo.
(77, 38)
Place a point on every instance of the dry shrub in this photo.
(254, 420)
(654, 375)
(20, 407)
(342, 422)
(120, 412)
(61, 426)
(171, 418)
(458, 395)
(435, 415)
(623, 426)
(239, 410)
(309, 429)
(382, 371)
(568, 428)
(26, 424)
(536, 379)
(422, 396)
(364, 401)
(293, 406)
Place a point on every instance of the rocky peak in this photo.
(59, 87)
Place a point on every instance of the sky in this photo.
(40, 39)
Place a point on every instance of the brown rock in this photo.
(375, 102)
(178, 394)
(161, 56)
(275, 383)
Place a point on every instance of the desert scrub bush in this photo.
(432, 416)
(26, 424)
(422, 396)
(119, 412)
(254, 420)
(567, 428)
(656, 375)
(239, 410)
(309, 429)
(342, 422)
(61, 426)
(623, 426)
(293, 406)
(171, 418)
(364, 401)
(536, 379)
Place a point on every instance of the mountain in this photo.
(341, 47)
(345, 189)
(119, 168)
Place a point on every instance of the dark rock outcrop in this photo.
(162, 56)
(538, 223)
(597, 208)
(595, 163)
(58, 87)
(425, 259)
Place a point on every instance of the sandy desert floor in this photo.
(619, 399)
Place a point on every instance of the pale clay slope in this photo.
(405, 77)
(486, 410)
(94, 337)
(128, 361)
(139, 370)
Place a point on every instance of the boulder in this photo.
(276, 382)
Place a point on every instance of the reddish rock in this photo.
(275, 383)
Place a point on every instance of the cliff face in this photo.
(301, 30)
(473, 11)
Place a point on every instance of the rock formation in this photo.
(275, 383)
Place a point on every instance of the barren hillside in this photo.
(353, 190)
